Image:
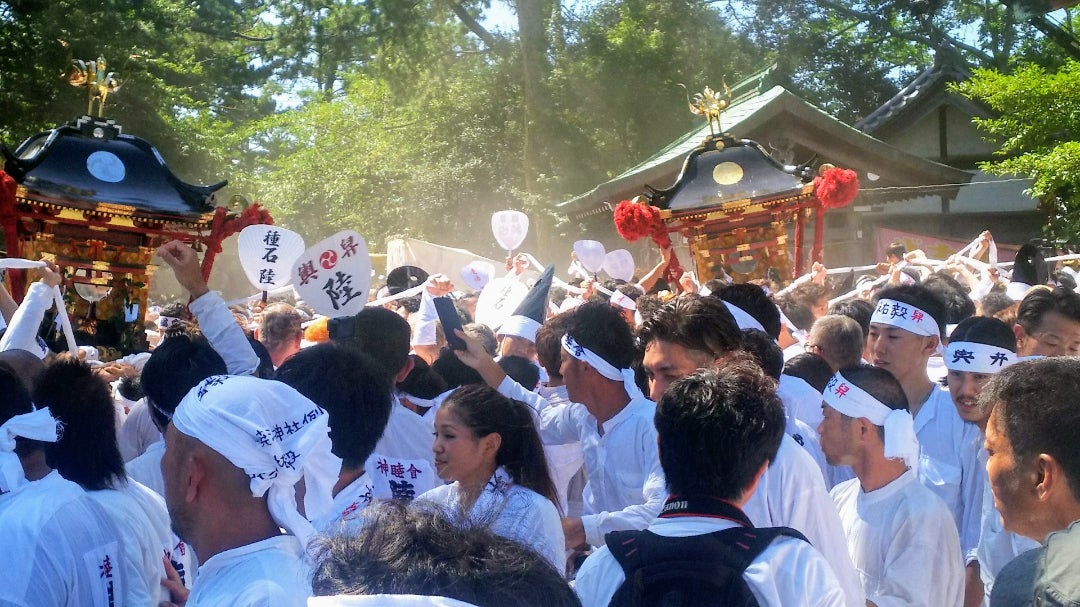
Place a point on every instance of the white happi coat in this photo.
(403, 465)
(788, 573)
(268, 573)
(349, 505)
(59, 548)
(903, 542)
(511, 511)
(146, 468)
(143, 520)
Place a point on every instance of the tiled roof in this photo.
(929, 81)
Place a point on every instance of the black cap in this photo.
(404, 278)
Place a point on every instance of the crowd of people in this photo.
(904, 443)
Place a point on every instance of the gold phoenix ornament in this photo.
(98, 81)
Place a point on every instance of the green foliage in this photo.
(619, 77)
(186, 70)
(850, 56)
(407, 116)
(385, 166)
(1037, 123)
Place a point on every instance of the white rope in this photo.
(270, 293)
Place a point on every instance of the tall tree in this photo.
(850, 56)
(1038, 126)
(618, 79)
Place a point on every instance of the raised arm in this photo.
(22, 331)
(215, 320)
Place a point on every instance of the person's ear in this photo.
(1049, 477)
(931, 344)
(749, 490)
(194, 471)
(489, 445)
(1021, 334)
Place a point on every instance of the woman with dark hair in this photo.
(487, 447)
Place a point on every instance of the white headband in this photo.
(274, 434)
(977, 358)
(905, 316)
(603, 367)
(620, 299)
(853, 401)
(420, 402)
(36, 425)
(164, 322)
(743, 318)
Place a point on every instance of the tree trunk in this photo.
(531, 33)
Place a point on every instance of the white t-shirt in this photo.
(511, 511)
(60, 548)
(903, 542)
(792, 493)
(403, 465)
(949, 463)
(268, 573)
(788, 573)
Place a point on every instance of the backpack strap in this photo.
(717, 560)
(736, 547)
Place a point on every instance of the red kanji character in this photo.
(413, 471)
(397, 469)
(841, 390)
(917, 315)
(381, 466)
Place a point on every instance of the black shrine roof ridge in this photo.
(90, 161)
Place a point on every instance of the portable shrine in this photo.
(100, 201)
(734, 204)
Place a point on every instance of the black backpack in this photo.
(700, 570)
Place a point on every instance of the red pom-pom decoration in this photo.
(636, 220)
(836, 188)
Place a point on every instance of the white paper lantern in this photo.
(619, 264)
(510, 228)
(591, 254)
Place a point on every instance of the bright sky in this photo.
(502, 17)
(499, 17)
